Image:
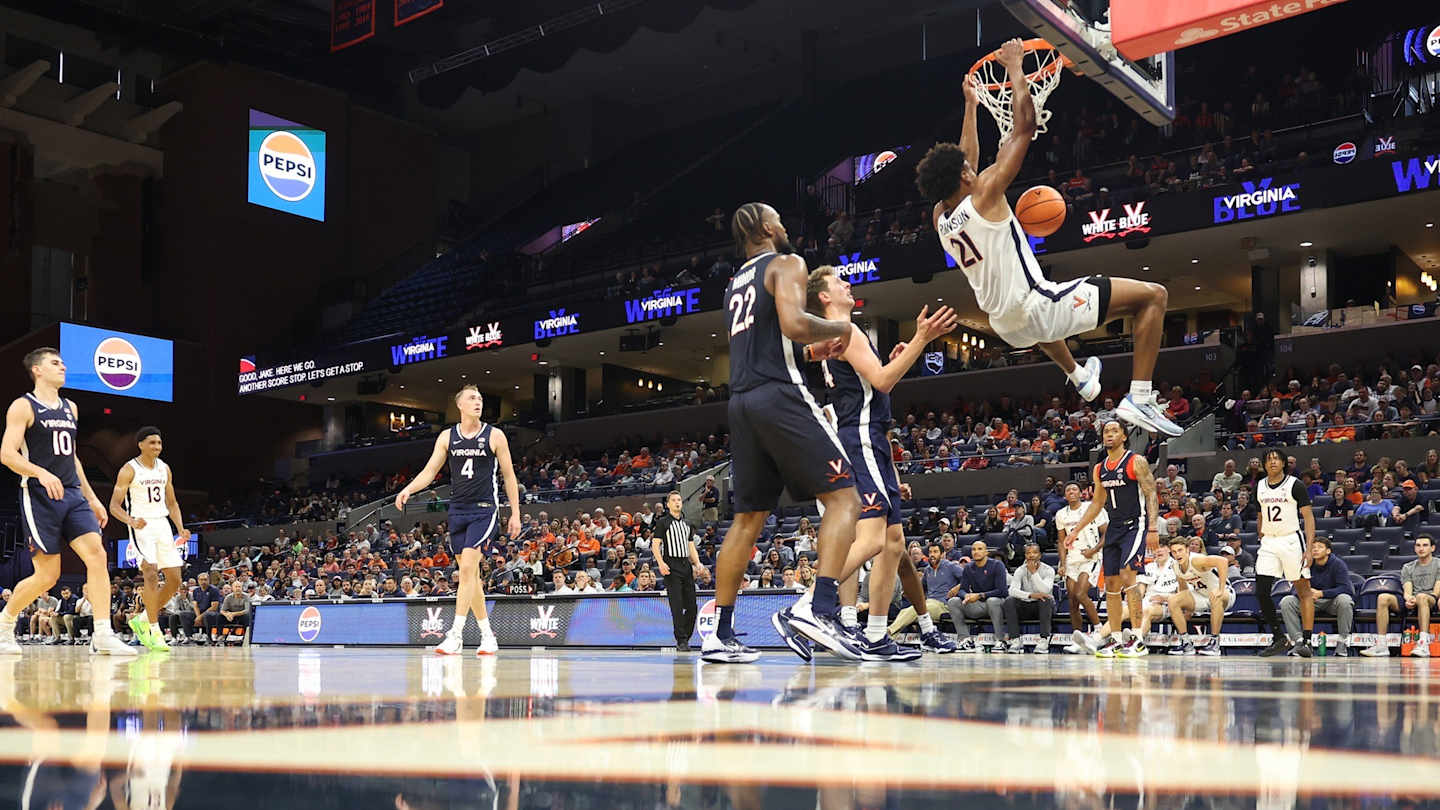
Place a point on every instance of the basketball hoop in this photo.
(1042, 64)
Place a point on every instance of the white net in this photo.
(1042, 67)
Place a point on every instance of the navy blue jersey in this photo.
(857, 403)
(1123, 500)
(50, 441)
(472, 467)
(759, 352)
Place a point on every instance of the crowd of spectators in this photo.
(1389, 401)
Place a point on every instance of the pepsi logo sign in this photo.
(1432, 42)
(117, 363)
(1344, 153)
(706, 620)
(287, 166)
(882, 160)
(308, 626)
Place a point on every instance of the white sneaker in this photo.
(1083, 642)
(1378, 650)
(1422, 648)
(488, 646)
(1146, 415)
(450, 646)
(1091, 389)
(110, 644)
(8, 645)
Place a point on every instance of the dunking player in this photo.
(1079, 569)
(476, 451)
(1130, 501)
(56, 502)
(778, 437)
(860, 392)
(978, 230)
(144, 496)
(1284, 551)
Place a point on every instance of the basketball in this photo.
(1041, 210)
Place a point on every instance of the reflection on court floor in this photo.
(620, 729)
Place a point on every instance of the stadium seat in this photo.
(1392, 536)
(1376, 550)
(1245, 602)
(1357, 582)
(1397, 561)
(1250, 527)
(1248, 539)
(1359, 563)
(1329, 524)
(1376, 585)
(1320, 502)
(1282, 589)
(1350, 536)
(1051, 559)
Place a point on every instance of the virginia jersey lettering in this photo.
(1122, 491)
(472, 467)
(146, 496)
(759, 352)
(50, 441)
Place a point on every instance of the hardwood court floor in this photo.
(384, 728)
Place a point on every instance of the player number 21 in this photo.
(968, 254)
(742, 315)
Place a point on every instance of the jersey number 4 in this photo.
(742, 314)
(468, 470)
(966, 248)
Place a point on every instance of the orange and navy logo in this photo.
(838, 471)
(871, 503)
(1079, 302)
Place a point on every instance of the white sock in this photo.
(102, 627)
(1080, 375)
(1141, 391)
(926, 625)
(849, 617)
(154, 627)
(875, 627)
(484, 627)
(458, 627)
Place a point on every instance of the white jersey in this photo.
(1203, 583)
(1280, 506)
(146, 497)
(995, 258)
(1068, 518)
(1159, 578)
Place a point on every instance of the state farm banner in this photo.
(1141, 28)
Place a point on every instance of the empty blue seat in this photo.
(1397, 561)
(1359, 563)
(1282, 589)
(1245, 602)
(1357, 582)
(1376, 550)
(1329, 524)
(1350, 536)
(1392, 536)
(1341, 548)
(1320, 502)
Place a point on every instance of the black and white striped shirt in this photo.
(674, 536)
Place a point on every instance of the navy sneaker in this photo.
(937, 642)
(797, 643)
(827, 631)
(726, 651)
(886, 649)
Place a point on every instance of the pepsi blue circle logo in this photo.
(287, 166)
(1432, 42)
(308, 626)
(117, 363)
(1344, 153)
(706, 619)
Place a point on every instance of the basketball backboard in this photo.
(1146, 86)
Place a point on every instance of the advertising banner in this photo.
(286, 166)
(376, 623)
(351, 22)
(108, 362)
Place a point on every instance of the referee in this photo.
(678, 560)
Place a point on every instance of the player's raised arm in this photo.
(969, 131)
(427, 475)
(786, 279)
(883, 378)
(989, 194)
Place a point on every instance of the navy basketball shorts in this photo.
(875, 479)
(51, 525)
(473, 526)
(780, 440)
(1124, 547)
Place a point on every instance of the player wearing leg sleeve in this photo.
(978, 230)
(1206, 590)
(1284, 551)
(476, 451)
(143, 497)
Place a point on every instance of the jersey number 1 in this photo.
(968, 254)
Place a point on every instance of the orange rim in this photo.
(1030, 46)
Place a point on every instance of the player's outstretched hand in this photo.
(971, 88)
(929, 327)
(1012, 53)
(402, 499)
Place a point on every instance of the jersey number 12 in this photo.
(1273, 513)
